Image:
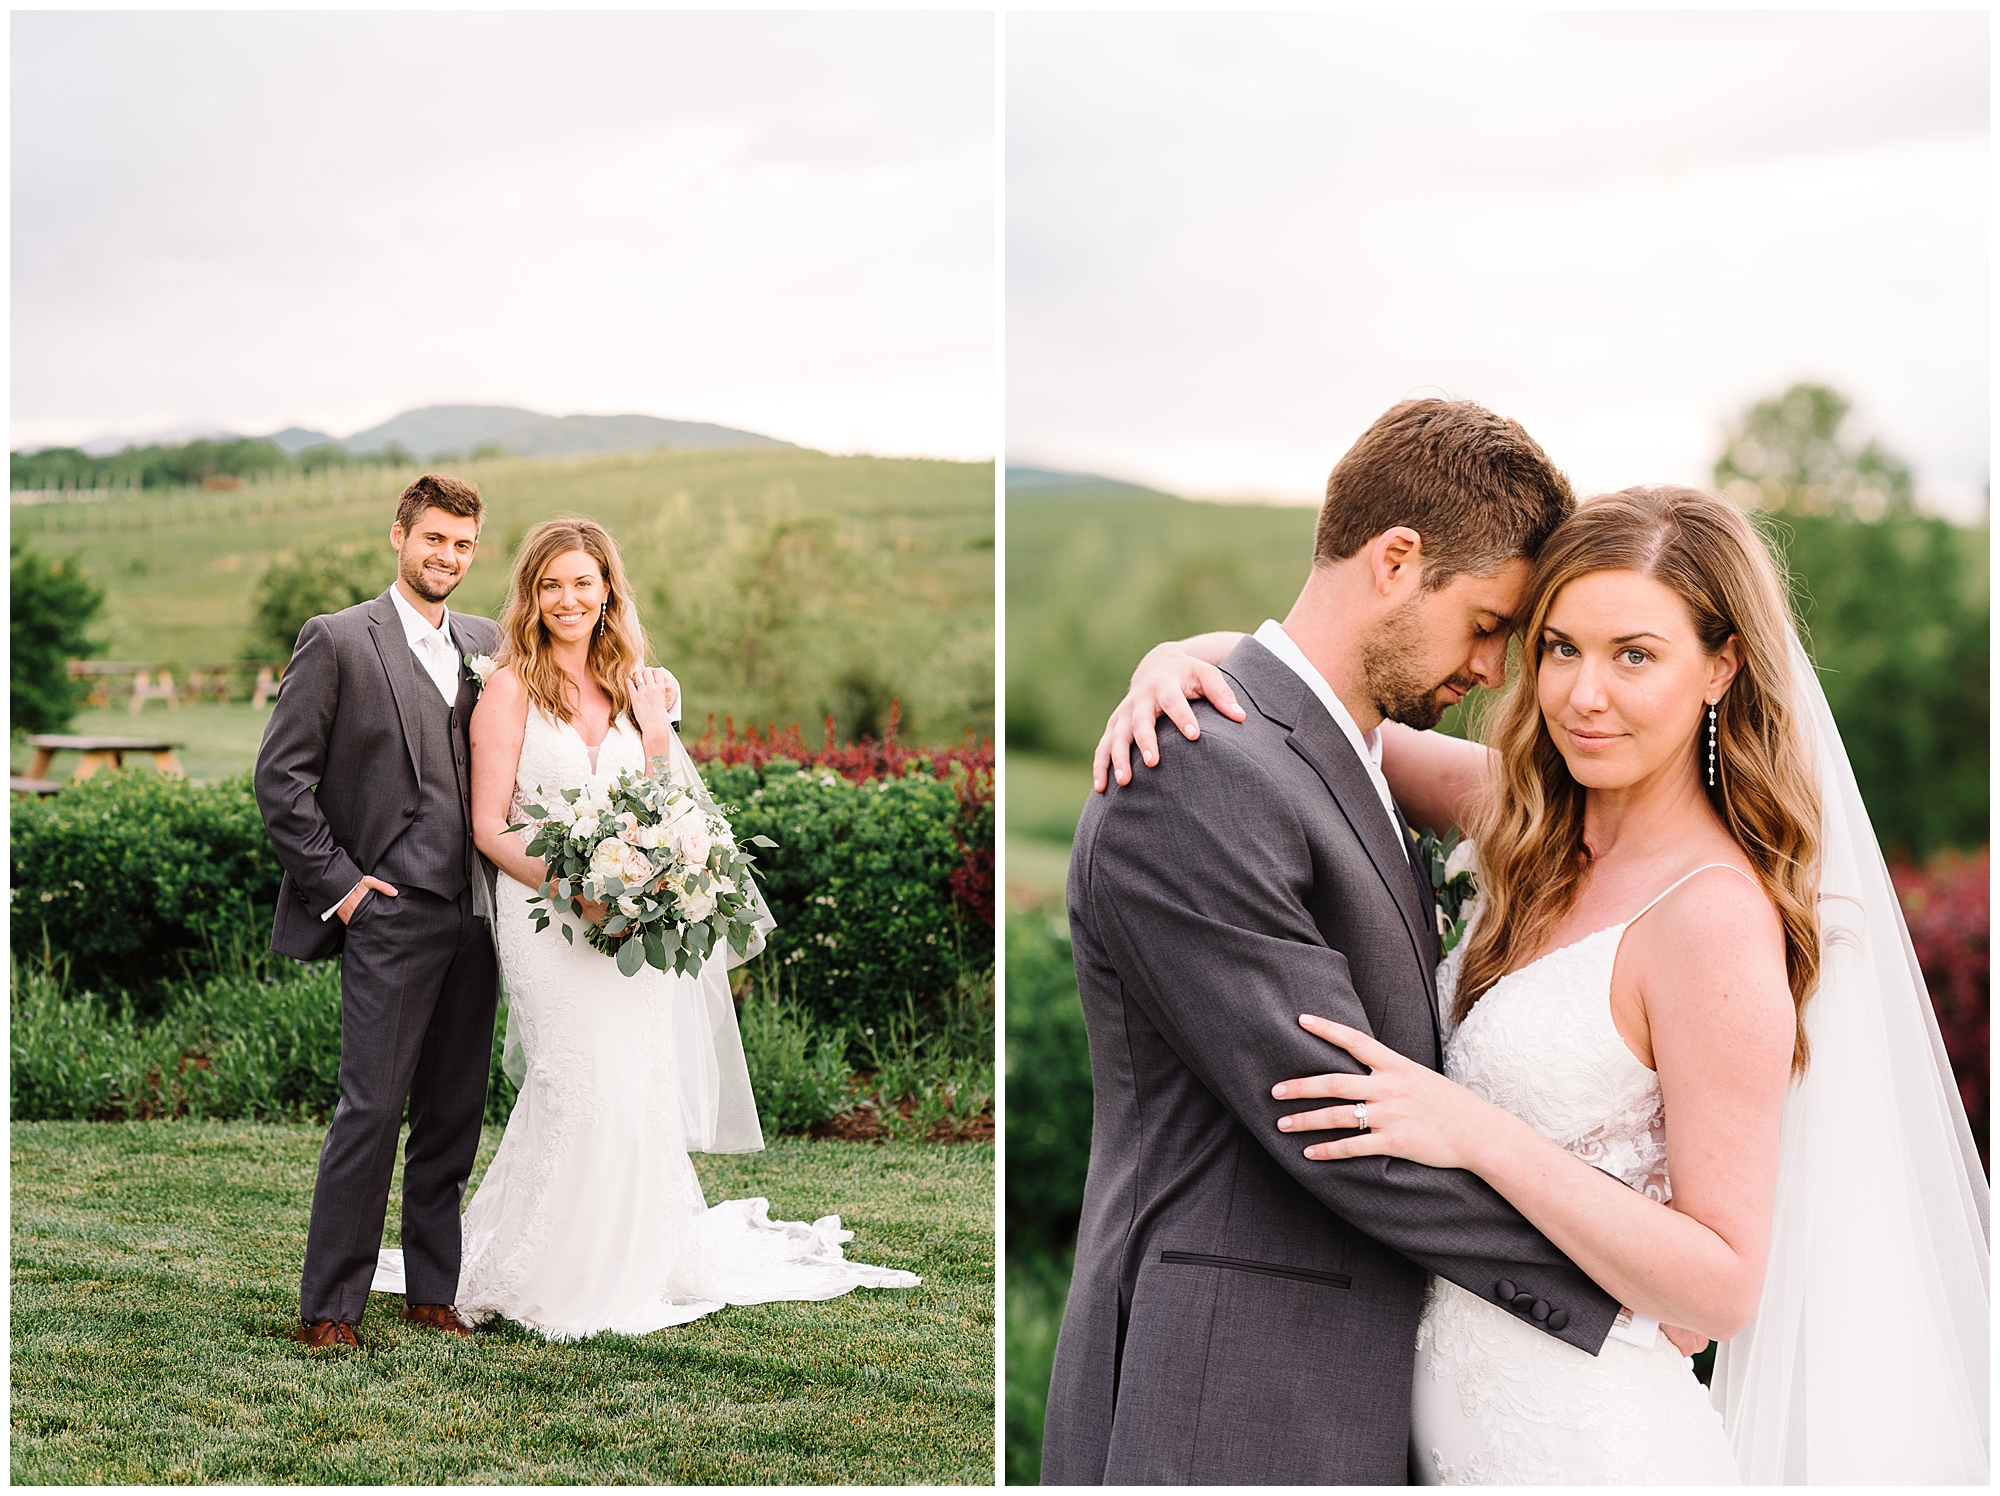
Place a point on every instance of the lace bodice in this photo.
(554, 757)
(1541, 1043)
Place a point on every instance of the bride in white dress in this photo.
(1691, 1046)
(590, 1217)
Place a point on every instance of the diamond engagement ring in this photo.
(1361, 1116)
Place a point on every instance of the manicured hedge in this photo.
(134, 879)
(882, 888)
(862, 884)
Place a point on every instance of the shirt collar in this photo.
(416, 627)
(1367, 745)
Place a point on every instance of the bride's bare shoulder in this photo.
(503, 699)
(1713, 957)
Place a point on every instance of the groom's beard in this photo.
(431, 589)
(1394, 675)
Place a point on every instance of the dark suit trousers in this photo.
(418, 987)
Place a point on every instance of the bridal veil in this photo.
(1867, 1362)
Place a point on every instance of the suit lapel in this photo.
(467, 695)
(1316, 737)
(399, 663)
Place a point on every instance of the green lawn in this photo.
(217, 740)
(155, 1290)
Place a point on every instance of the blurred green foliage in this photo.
(1895, 613)
(315, 579)
(779, 584)
(1788, 456)
(51, 606)
(180, 464)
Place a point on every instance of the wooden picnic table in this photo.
(100, 753)
(27, 789)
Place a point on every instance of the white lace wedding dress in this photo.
(591, 1217)
(1496, 1401)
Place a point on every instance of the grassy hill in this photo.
(778, 583)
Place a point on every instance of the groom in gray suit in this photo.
(364, 781)
(1240, 1314)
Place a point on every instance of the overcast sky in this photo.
(783, 221)
(1234, 240)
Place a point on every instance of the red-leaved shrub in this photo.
(972, 881)
(1948, 908)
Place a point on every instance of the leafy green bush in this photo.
(1048, 1084)
(318, 579)
(1896, 614)
(932, 1071)
(798, 1071)
(259, 1041)
(861, 884)
(132, 879)
(51, 608)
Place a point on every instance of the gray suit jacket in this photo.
(338, 768)
(1239, 1313)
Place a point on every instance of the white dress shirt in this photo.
(1367, 745)
(432, 646)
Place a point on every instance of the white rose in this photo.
(700, 904)
(608, 861)
(695, 845)
(1463, 859)
(629, 906)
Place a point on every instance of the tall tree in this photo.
(1787, 456)
(52, 607)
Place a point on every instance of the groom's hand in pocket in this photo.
(353, 901)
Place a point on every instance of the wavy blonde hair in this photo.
(1528, 823)
(617, 643)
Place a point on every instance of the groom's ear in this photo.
(1396, 560)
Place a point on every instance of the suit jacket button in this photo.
(1523, 1300)
(1539, 1309)
(409, 810)
(1559, 1320)
(1504, 1291)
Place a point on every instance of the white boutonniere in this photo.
(480, 668)
(1453, 866)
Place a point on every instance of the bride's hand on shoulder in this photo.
(1168, 679)
(1412, 1111)
(654, 695)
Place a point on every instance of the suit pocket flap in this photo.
(1268, 1269)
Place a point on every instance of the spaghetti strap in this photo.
(1679, 881)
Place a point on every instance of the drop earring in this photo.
(1711, 744)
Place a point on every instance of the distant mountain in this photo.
(174, 436)
(1035, 483)
(295, 439)
(438, 429)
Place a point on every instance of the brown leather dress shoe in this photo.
(323, 1333)
(437, 1317)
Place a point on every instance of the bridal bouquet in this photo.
(661, 855)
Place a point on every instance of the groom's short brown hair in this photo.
(1474, 485)
(439, 491)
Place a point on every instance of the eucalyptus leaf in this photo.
(631, 956)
